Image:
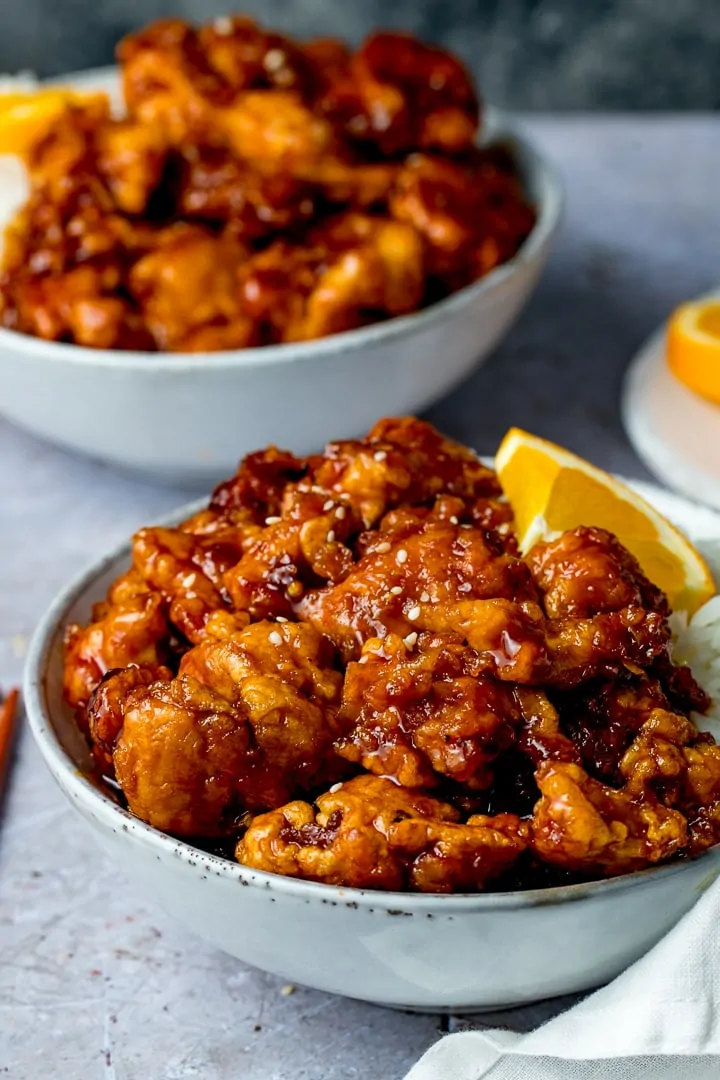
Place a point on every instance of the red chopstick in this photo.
(8, 716)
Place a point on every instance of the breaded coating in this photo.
(220, 209)
(370, 834)
(420, 711)
(180, 755)
(362, 617)
(581, 824)
(586, 571)
(131, 631)
(256, 704)
(400, 94)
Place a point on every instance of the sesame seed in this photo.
(328, 505)
(401, 556)
(317, 490)
(223, 26)
(331, 536)
(425, 598)
(275, 638)
(396, 590)
(274, 59)
(281, 618)
(363, 660)
(411, 639)
(453, 520)
(287, 990)
(340, 513)
(272, 520)
(334, 788)
(381, 549)
(466, 526)
(413, 613)
(380, 455)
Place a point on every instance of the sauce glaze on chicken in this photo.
(343, 667)
(258, 190)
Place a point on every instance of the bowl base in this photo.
(489, 1010)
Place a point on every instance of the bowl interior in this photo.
(541, 184)
(64, 748)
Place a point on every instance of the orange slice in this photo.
(27, 117)
(693, 346)
(551, 490)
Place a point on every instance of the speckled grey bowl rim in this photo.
(39, 709)
(542, 178)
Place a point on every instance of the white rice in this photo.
(14, 186)
(696, 642)
(17, 84)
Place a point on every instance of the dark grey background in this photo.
(527, 54)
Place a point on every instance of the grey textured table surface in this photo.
(95, 982)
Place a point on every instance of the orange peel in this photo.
(551, 489)
(693, 346)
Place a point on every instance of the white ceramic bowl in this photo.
(428, 953)
(186, 419)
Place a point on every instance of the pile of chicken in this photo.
(259, 190)
(344, 662)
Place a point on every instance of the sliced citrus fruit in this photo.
(551, 489)
(27, 117)
(693, 346)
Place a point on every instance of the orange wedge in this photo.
(693, 346)
(551, 490)
(27, 117)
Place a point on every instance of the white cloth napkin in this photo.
(659, 1020)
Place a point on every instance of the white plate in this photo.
(673, 430)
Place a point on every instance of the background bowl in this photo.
(186, 419)
(422, 952)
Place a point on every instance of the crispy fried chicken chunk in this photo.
(586, 571)
(186, 570)
(130, 630)
(216, 186)
(581, 824)
(385, 273)
(400, 94)
(187, 289)
(409, 581)
(180, 756)
(470, 212)
(368, 833)
(249, 721)
(402, 461)
(281, 675)
(278, 680)
(518, 644)
(204, 217)
(362, 617)
(420, 711)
